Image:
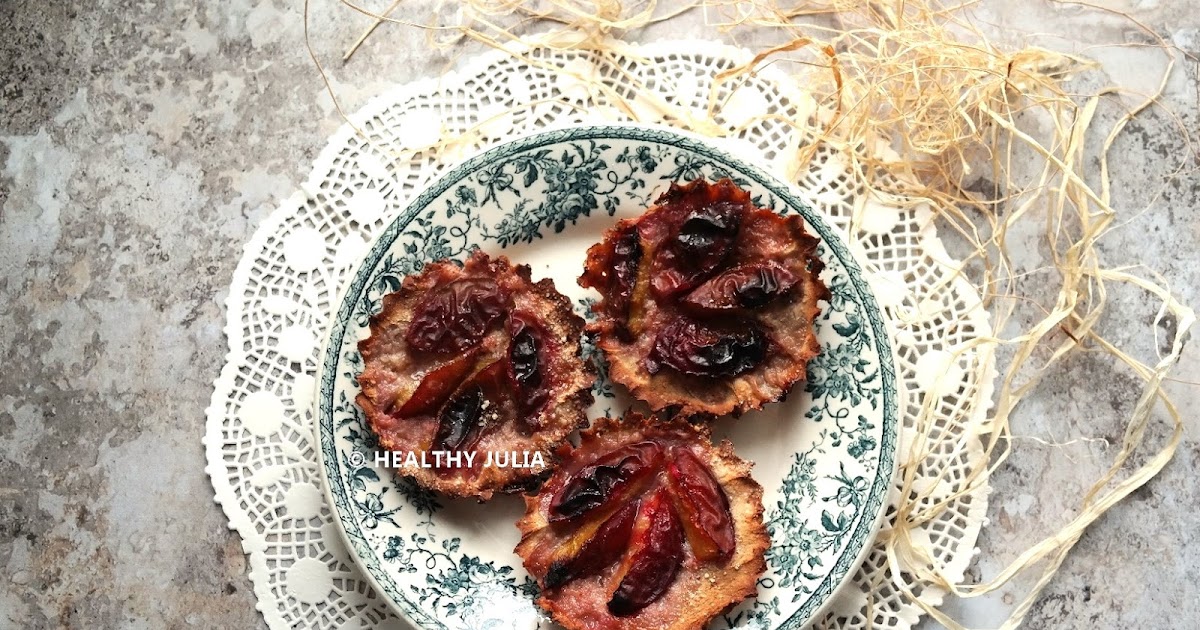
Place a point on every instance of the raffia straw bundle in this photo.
(921, 78)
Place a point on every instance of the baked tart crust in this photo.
(475, 358)
(584, 580)
(706, 302)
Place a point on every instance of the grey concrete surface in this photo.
(141, 144)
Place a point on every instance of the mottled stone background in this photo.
(141, 144)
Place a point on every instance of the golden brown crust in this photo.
(626, 327)
(701, 590)
(393, 370)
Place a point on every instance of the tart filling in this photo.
(463, 362)
(644, 525)
(706, 302)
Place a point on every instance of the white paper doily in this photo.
(259, 436)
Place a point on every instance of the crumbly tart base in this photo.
(392, 371)
(701, 591)
(788, 321)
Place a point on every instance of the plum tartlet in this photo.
(706, 302)
(644, 525)
(471, 360)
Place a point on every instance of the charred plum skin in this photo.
(690, 347)
(599, 481)
(670, 551)
(459, 419)
(697, 250)
(526, 365)
(626, 259)
(723, 291)
(600, 549)
(474, 356)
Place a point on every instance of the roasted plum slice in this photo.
(714, 314)
(702, 506)
(646, 524)
(691, 347)
(611, 478)
(626, 263)
(437, 386)
(700, 245)
(527, 367)
(470, 359)
(459, 420)
(653, 559)
(746, 286)
(592, 547)
(464, 417)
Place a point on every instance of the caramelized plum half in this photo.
(456, 316)
(698, 249)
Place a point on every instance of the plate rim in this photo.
(712, 148)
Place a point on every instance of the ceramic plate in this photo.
(825, 457)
